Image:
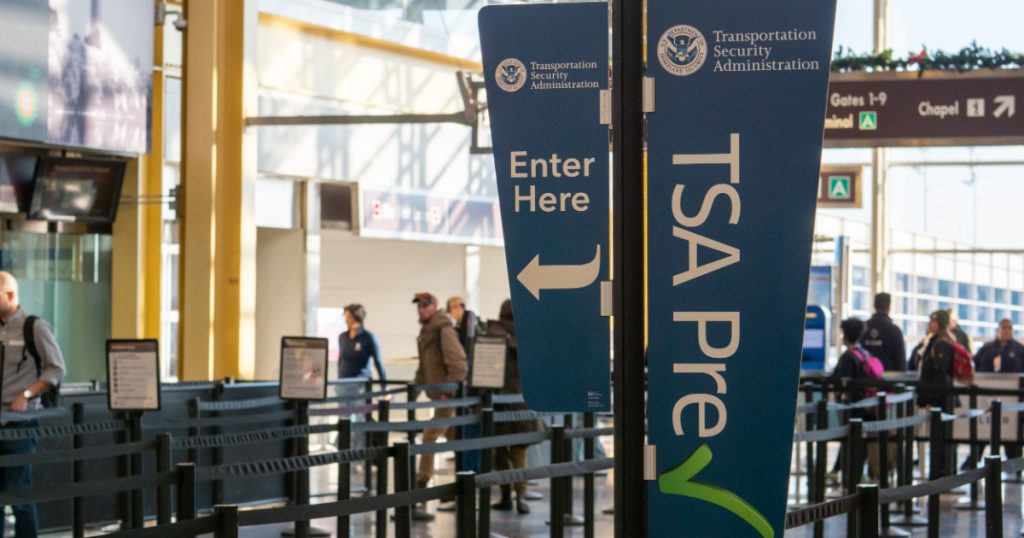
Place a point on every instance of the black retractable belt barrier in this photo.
(465, 505)
(227, 519)
(935, 450)
(403, 482)
(138, 500)
(124, 498)
(186, 491)
(486, 466)
(821, 462)
(993, 497)
(369, 438)
(410, 416)
(808, 390)
(883, 476)
(383, 414)
(570, 455)
(218, 452)
(854, 467)
(906, 472)
(77, 442)
(869, 510)
(588, 480)
(996, 439)
(460, 392)
(344, 473)
(557, 495)
(164, 461)
(972, 463)
(301, 444)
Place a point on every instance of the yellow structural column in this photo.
(218, 232)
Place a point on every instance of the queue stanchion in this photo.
(185, 489)
(820, 461)
(486, 466)
(194, 428)
(344, 474)
(124, 470)
(854, 468)
(883, 473)
(996, 438)
(465, 505)
(460, 392)
(383, 415)
(808, 390)
(77, 442)
(557, 495)
(138, 501)
(368, 439)
(227, 520)
(164, 461)
(906, 473)
(410, 415)
(403, 482)
(302, 477)
(972, 463)
(935, 457)
(869, 511)
(993, 497)
(588, 479)
(218, 451)
(571, 520)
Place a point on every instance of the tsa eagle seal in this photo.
(510, 75)
(682, 50)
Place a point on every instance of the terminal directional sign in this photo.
(734, 148)
(936, 109)
(840, 186)
(546, 72)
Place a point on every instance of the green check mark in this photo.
(678, 482)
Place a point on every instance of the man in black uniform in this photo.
(883, 338)
(1002, 355)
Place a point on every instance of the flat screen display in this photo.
(76, 190)
(17, 172)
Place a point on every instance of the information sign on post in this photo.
(490, 353)
(546, 72)
(303, 374)
(840, 186)
(734, 149)
(133, 375)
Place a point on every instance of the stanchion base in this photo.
(912, 521)
(313, 531)
(965, 504)
(571, 521)
(610, 511)
(892, 532)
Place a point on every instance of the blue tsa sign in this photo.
(734, 148)
(546, 70)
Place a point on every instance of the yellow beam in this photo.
(152, 219)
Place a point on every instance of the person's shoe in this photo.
(532, 496)
(505, 504)
(420, 513)
(521, 506)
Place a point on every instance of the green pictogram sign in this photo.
(868, 120)
(839, 188)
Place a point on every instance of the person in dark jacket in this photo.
(883, 339)
(357, 346)
(936, 368)
(511, 457)
(1002, 355)
(849, 365)
(465, 323)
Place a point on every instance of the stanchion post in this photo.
(570, 455)
(588, 480)
(465, 505)
(368, 437)
(218, 451)
(344, 473)
(935, 453)
(883, 455)
(907, 471)
(995, 442)
(77, 442)
(194, 428)
(138, 502)
(403, 482)
(410, 415)
(854, 467)
(869, 510)
(486, 466)
(557, 485)
(227, 520)
(302, 476)
(383, 412)
(186, 491)
(164, 461)
(993, 497)
(973, 433)
(124, 469)
(808, 390)
(820, 461)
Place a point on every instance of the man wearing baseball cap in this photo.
(442, 360)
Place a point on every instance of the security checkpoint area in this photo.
(407, 268)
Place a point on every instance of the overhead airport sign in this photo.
(734, 148)
(936, 109)
(840, 186)
(546, 71)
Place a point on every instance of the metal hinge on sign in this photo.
(606, 107)
(650, 462)
(648, 94)
(606, 298)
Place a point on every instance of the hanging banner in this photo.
(734, 146)
(546, 71)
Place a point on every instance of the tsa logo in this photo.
(682, 50)
(511, 74)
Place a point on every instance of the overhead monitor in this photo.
(17, 173)
(76, 190)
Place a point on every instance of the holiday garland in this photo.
(969, 58)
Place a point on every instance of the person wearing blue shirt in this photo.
(357, 346)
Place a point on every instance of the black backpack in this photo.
(50, 398)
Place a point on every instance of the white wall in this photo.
(280, 285)
(493, 281)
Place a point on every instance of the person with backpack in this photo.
(33, 368)
(855, 364)
(937, 364)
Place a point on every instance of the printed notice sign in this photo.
(303, 368)
(133, 375)
(489, 355)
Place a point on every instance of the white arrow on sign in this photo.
(536, 277)
(1007, 104)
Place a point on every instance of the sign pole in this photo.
(628, 267)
